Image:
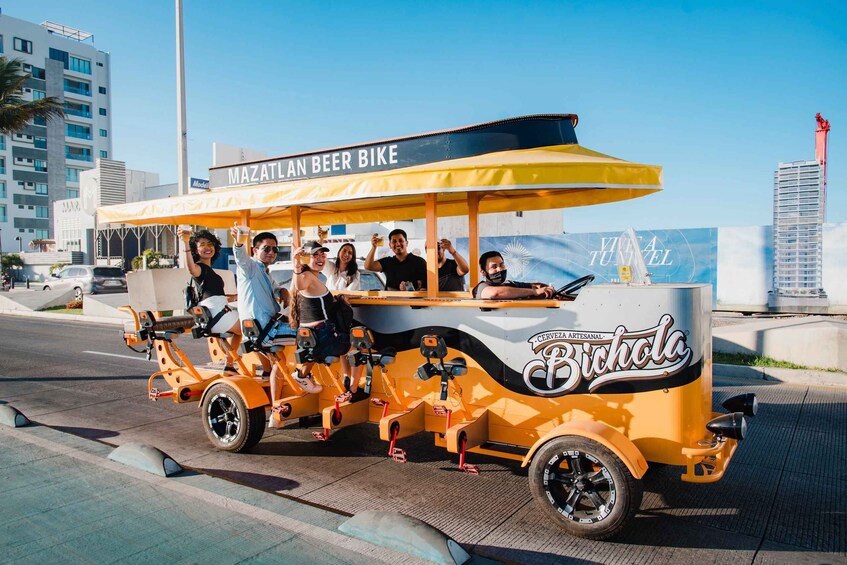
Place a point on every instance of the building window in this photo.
(79, 65)
(78, 153)
(40, 142)
(41, 234)
(39, 121)
(23, 45)
(38, 73)
(77, 87)
(1, 43)
(2, 166)
(104, 154)
(58, 55)
(38, 94)
(2, 142)
(40, 166)
(2, 189)
(41, 212)
(77, 109)
(71, 174)
(101, 89)
(2, 212)
(102, 111)
(104, 133)
(77, 130)
(72, 193)
(41, 188)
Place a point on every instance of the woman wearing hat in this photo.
(315, 307)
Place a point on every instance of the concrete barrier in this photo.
(812, 341)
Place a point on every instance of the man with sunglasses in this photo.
(257, 291)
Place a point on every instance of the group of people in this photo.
(311, 302)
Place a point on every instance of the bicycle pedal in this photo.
(399, 455)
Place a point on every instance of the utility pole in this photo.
(182, 129)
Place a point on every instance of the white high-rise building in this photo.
(798, 211)
(41, 164)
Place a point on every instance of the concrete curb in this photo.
(780, 375)
(68, 317)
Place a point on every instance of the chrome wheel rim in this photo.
(223, 418)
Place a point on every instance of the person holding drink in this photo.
(404, 270)
(343, 272)
(199, 251)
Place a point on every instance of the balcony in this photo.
(77, 156)
(77, 112)
(77, 134)
(76, 90)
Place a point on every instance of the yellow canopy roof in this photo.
(560, 176)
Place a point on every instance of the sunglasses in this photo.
(268, 249)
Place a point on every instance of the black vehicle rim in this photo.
(224, 420)
(579, 486)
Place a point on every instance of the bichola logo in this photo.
(568, 357)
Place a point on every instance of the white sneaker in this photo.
(307, 383)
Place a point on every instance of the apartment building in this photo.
(798, 211)
(41, 164)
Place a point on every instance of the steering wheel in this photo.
(570, 290)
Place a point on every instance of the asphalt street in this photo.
(784, 498)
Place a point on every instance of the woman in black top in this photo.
(199, 251)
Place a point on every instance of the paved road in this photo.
(783, 500)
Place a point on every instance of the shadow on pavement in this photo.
(254, 480)
(87, 433)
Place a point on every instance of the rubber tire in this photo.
(46, 288)
(250, 425)
(628, 490)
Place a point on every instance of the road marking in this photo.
(121, 356)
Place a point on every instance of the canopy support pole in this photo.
(295, 229)
(431, 241)
(473, 237)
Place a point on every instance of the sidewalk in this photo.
(65, 502)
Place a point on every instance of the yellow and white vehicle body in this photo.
(588, 389)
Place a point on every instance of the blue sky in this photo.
(716, 92)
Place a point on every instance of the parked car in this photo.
(281, 272)
(87, 279)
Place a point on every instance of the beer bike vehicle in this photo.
(585, 388)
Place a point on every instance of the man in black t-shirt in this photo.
(403, 271)
(451, 272)
(494, 285)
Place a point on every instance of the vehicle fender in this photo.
(603, 434)
(251, 391)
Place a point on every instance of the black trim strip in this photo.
(513, 380)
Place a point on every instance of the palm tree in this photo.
(15, 112)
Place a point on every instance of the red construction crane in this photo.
(820, 152)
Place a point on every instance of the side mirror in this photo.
(54, 275)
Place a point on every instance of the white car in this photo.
(87, 279)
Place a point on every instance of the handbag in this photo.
(193, 292)
(343, 316)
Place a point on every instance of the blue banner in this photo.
(671, 256)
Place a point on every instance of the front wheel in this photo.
(228, 423)
(46, 288)
(584, 487)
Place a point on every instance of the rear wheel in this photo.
(584, 487)
(229, 424)
(46, 287)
